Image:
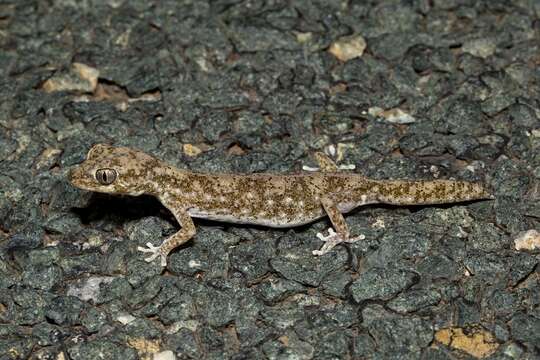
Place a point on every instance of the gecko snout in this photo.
(71, 174)
(75, 176)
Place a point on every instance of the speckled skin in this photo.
(265, 199)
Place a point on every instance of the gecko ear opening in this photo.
(97, 150)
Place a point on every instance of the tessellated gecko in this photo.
(274, 200)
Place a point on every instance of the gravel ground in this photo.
(402, 89)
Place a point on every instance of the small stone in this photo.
(477, 342)
(47, 158)
(380, 283)
(527, 240)
(191, 150)
(88, 289)
(80, 77)
(236, 150)
(42, 277)
(87, 72)
(348, 47)
(125, 318)
(164, 355)
(143, 346)
(480, 47)
(525, 328)
(394, 116)
(304, 37)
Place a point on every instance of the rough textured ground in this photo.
(443, 89)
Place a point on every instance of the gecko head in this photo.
(115, 170)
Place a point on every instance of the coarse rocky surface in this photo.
(402, 89)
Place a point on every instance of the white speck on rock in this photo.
(394, 116)
(483, 48)
(88, 289)
(165, 355)
(185, 324)
(125, 319)
(379, 224)
(527, 240)
(304, 37)
(191, 150)
(80, 78)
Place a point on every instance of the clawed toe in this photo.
(333, 239)
(355, 239)
(149, 249)
(155, 251)
(331, 234)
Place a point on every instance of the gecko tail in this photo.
(432, 192)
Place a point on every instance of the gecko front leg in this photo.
(173, 241)
(338, 221)
(326, 164)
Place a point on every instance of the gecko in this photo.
(268, 199)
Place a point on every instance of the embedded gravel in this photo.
(402, 89)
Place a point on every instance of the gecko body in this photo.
(273, 200)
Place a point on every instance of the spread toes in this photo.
(333, 239)
(155, 251)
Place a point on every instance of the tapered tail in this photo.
(430, 192)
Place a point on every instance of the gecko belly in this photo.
(271, 221)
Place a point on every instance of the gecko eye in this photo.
(106, 176)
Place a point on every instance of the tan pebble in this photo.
(527, 240)
(348, 47)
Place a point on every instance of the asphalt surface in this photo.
(401, 89)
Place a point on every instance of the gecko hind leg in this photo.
(334, 238)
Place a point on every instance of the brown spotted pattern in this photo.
(430, 192)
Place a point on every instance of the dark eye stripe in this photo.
(106, 176)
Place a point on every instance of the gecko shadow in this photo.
(120, 209)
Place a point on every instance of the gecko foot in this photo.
(332, 240)
(155, 251)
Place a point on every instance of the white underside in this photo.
(252, 220)
(275, 222)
